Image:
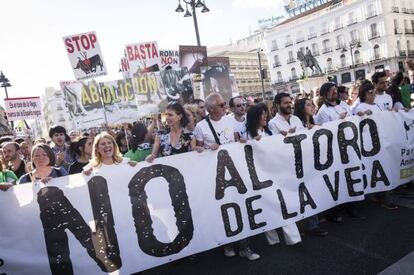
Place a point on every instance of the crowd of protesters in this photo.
(206, 125)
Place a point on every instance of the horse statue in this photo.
(308, 61)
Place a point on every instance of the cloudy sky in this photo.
(33, 56)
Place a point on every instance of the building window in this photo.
(408, 46)
(293, 71)
(276, 61)
(373, 28)
(326, 46)
(274, 45)
(398, 45)
(338, 23)
(357, 56)
(315, 50)
(325, 28)
(343, 60)
(279, 76)
(329, 64)
(377, 54)
(351, 18)
(340, 42)
(354, 36)
(371, 11)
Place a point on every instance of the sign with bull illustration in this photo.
(85, 55)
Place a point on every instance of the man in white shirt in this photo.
(215, 130)
(238, 116)
(382, 99)
(331, 108)
(284, 122)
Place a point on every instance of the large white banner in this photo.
(85, 55)
(180, 205)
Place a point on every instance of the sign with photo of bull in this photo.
(216, 77)
(170, 59)
(143, 57)
(193, 57)
(118, 98)
(178, 85)
(85, 55)
(84, 103)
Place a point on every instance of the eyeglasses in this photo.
(239, 105)
(222, 105)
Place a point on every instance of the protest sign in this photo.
(124, 68)
(216, 78)
(156, 213)
(85, 55)
(193, 57)
(149, 92)
(118, 98)
(21, 108)
(143, 57)
(177, 84)
(84, 104)
(169, 59)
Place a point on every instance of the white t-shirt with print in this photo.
(279, 123)
(239, 127)
(330, 113)
(224, 129)
(383, 101)
(362, 107)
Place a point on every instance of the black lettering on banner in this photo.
(226, 220)
(317, 149)
(373, 132)
(57, 214)
(286, 215)
(344, 143)
(253, 212)
(377, 168)
(257, 184)
(350, 182)
(141, 213)
(334, 190)
(364, 177)
(305, 198)
(296, 140)
(224, 161)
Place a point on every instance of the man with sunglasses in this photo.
(215, 130)
(238, 116)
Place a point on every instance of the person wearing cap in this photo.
(331, 108)
(61, 150)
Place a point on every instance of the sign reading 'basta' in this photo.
(160, 212)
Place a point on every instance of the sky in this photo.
(33, 56)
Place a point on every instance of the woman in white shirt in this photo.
(367, 104)
(256, 128)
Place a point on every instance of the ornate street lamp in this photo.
(351, 48)
(193, 4)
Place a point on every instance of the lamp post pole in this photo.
(261, 72)
(193, 4)
(6, 83)
(351, 47)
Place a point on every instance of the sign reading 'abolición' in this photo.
(184, 204)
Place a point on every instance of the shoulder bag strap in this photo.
(212, 130)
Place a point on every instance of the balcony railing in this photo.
(288, 44)
(326, 50)
(410, 53)
(276, 64)
(404, 10)
(409, 31)
(358, 61)
(312, 36)
(338, 27)
(398, 31)
(300, 40)
(290, 60)
(339, 46)
(293, 78)
(330, 69)
(373, 35)
(274, 49)
(371, 15)
(376, 58)
(325, 32)
(315, 53)
(343, 65)
(352, 22)
(395, 9)
(279, 81)
(403, 53)
(411, 11)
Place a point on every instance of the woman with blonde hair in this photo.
(105, 152)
